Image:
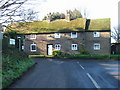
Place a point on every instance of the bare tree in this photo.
(27, 15)
(8, 9)
(116, 33)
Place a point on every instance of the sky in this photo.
(95, 8)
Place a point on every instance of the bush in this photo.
(14, 64)
(57, 53)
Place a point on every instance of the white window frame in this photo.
(95, 47)
(57, 35)
(31, 48)
(73, 35)
(33, 36)
(56, 47)
(23, 47)
(74, 48)
(96, 34)
(12, 41)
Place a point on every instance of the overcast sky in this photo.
(95, 8)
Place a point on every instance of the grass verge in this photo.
(116, 57)
(15, 63)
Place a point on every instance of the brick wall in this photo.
(85, 39)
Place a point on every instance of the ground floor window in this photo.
(96, 46)
(22, 47)
(57, 46)
(74, 46)
(12, 41)
(33, 47)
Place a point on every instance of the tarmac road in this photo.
(69, 73)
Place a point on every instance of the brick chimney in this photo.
(68, 16)
(49, 17)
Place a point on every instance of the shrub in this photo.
(57, 53)
(14, 64)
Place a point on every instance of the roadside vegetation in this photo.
(15, 63)
(58, 54)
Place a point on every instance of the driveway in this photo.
(69, 73)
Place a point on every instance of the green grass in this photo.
(79, 56)
(15, 63)
(41, 56)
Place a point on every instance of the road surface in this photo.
(70, 73)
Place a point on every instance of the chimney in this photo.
(68, 16)
(49, 17)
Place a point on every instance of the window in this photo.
(33, 47)
(57, 46)
(73, 34)
(12, 41)
(74, 46)
(33, 36)
(96, 34)
(22, 47)
(57, 35)
(96, 46)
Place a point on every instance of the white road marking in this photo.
(81, 66)
(94, 82)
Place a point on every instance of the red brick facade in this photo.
(84, 41)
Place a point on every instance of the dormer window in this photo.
(96, 34)
(33, 36)
(73, 34)
(57, 35)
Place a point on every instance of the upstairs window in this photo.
(33, 48)
(57, 46)
(74, 47)
(33, 36)
(96, 46)
(57, 35)
(73, 34)
(96, 34)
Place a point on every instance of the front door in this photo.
(49, 49)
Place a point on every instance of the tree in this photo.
(62, 16)
(8, 9)
(27, 15)
(76, 14)
(116, 33)
(54, 16)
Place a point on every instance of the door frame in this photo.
(47, 47)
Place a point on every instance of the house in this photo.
(79, 36)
